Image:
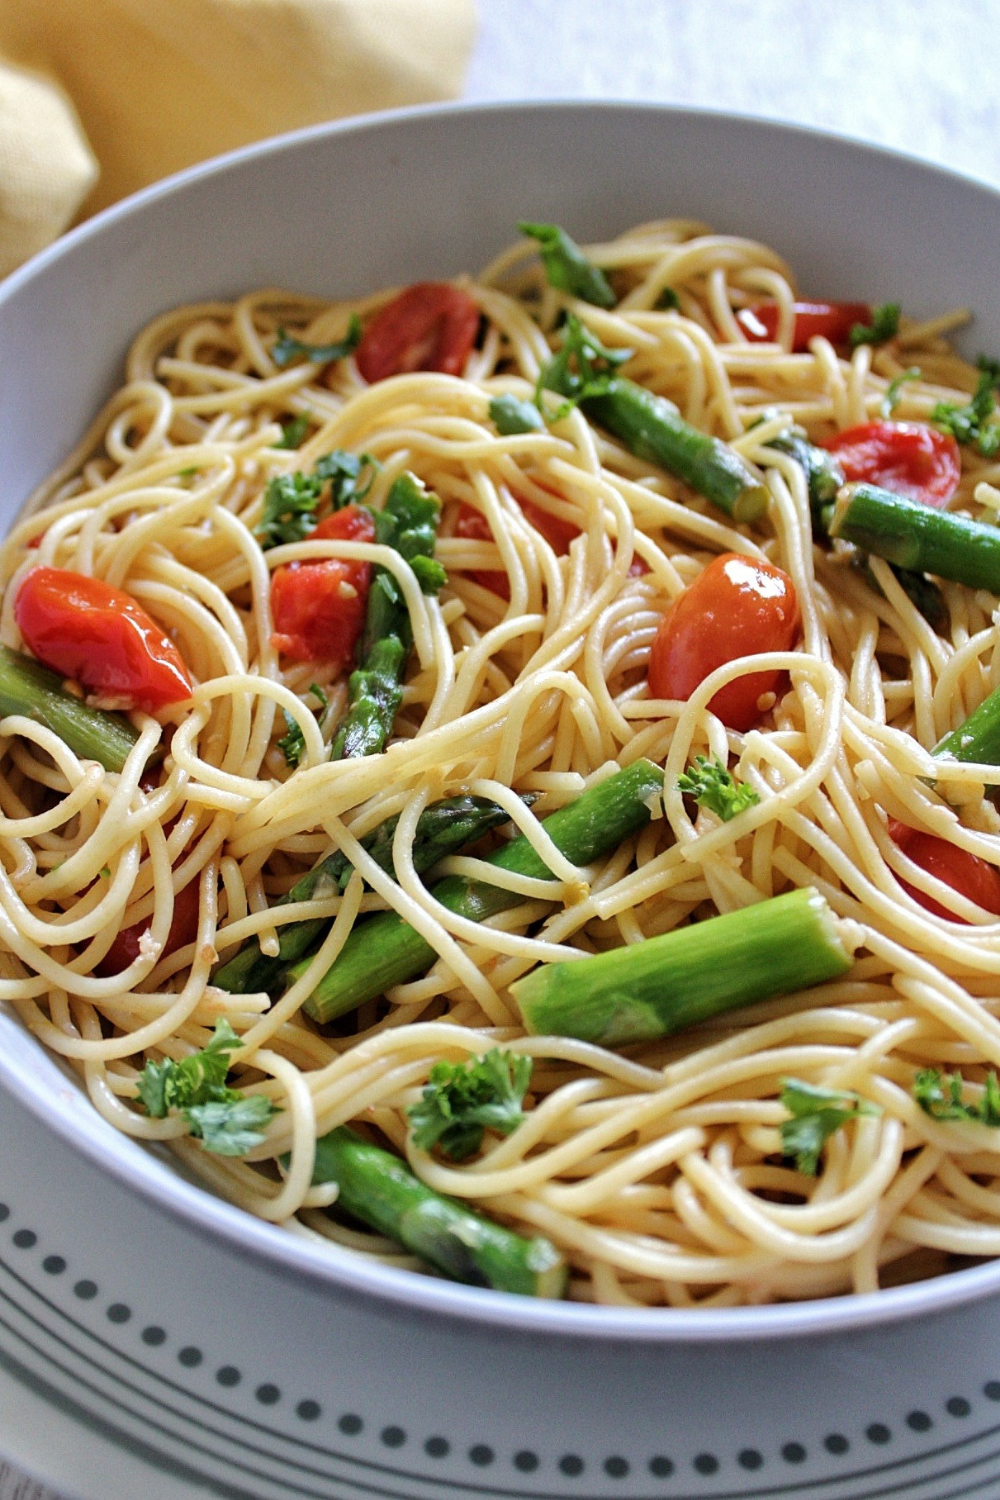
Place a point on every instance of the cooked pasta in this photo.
(659, 1169)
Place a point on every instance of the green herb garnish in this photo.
(940, 1096)
(229, 1123)
(286, 347)
(713, 786)
(294, 431)
(883, 326)
(891, 398)
(350, 476)
(289, 512)
(667, 301)
(461, 1100)
(293, 743)
(511, 416)
(816, 1114)
(973, 424)
(582, 368)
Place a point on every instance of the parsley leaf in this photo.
(891, 398)
(581, 368)
(461, 1100)
(231, 1126)
(940, 1096)
(293, 743)
(286, 347)
(289, 512)
(714, 787)
(294, 431)
(883, 326)
(229, 1123)
(667, 301)
(566, 266)
(511, 416)
(816, 1114)
(346, 472)
(973, 424)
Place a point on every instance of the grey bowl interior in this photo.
(346, 208)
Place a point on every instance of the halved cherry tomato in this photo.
(966, 873)
(430, 326)
(474, 527)
(829, 320)
(100, 636)
(319, 607)
(909, 458)
(738, 606)
(183, 930)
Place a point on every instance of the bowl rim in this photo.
(338, 1273)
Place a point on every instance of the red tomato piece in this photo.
(909, 458)
(829, 320)
(557, 532)
(318, 608)
(738, 606)
(183, 930)
(966, 873)
(430, 326)
(474, 527)
(100, 636)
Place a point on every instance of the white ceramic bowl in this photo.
(410, 1386)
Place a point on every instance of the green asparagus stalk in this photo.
(384, 950)
(922, 592)
(978, 738)
(650, 426)
(408, 523)
(442, 828)
(566, 266)
(824, 476)
(651, 989)
(28, 688)
(381, 1191)
(917, 537)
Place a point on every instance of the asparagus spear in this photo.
(385, 950)
(28, 688)
(566, 266)
(650, 426)
(917, 537)
(442, 828)
(660, 986)
(978, 739)
(380, 1190)
(409, 524)
(824, 476)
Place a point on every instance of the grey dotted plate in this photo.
(131, 1346)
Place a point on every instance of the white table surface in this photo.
(919, 76)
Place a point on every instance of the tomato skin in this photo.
(829, 320)
(473, 525)
(737, 607)
(318, 608)
(183, 930)
(429, 326)
(966, 873)
(100, 636)
(909, 458)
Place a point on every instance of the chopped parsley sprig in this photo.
(815, 1115)
(940, 1095)
(228, 1122)
(974, 424)
(286, 347)
(714, 787)
(883, 326)
(291, 500)
(462, 1100)
(293, 743)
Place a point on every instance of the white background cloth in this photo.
(916, 75)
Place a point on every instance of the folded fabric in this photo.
(100, 97)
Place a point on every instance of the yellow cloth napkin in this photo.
(100, 97)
